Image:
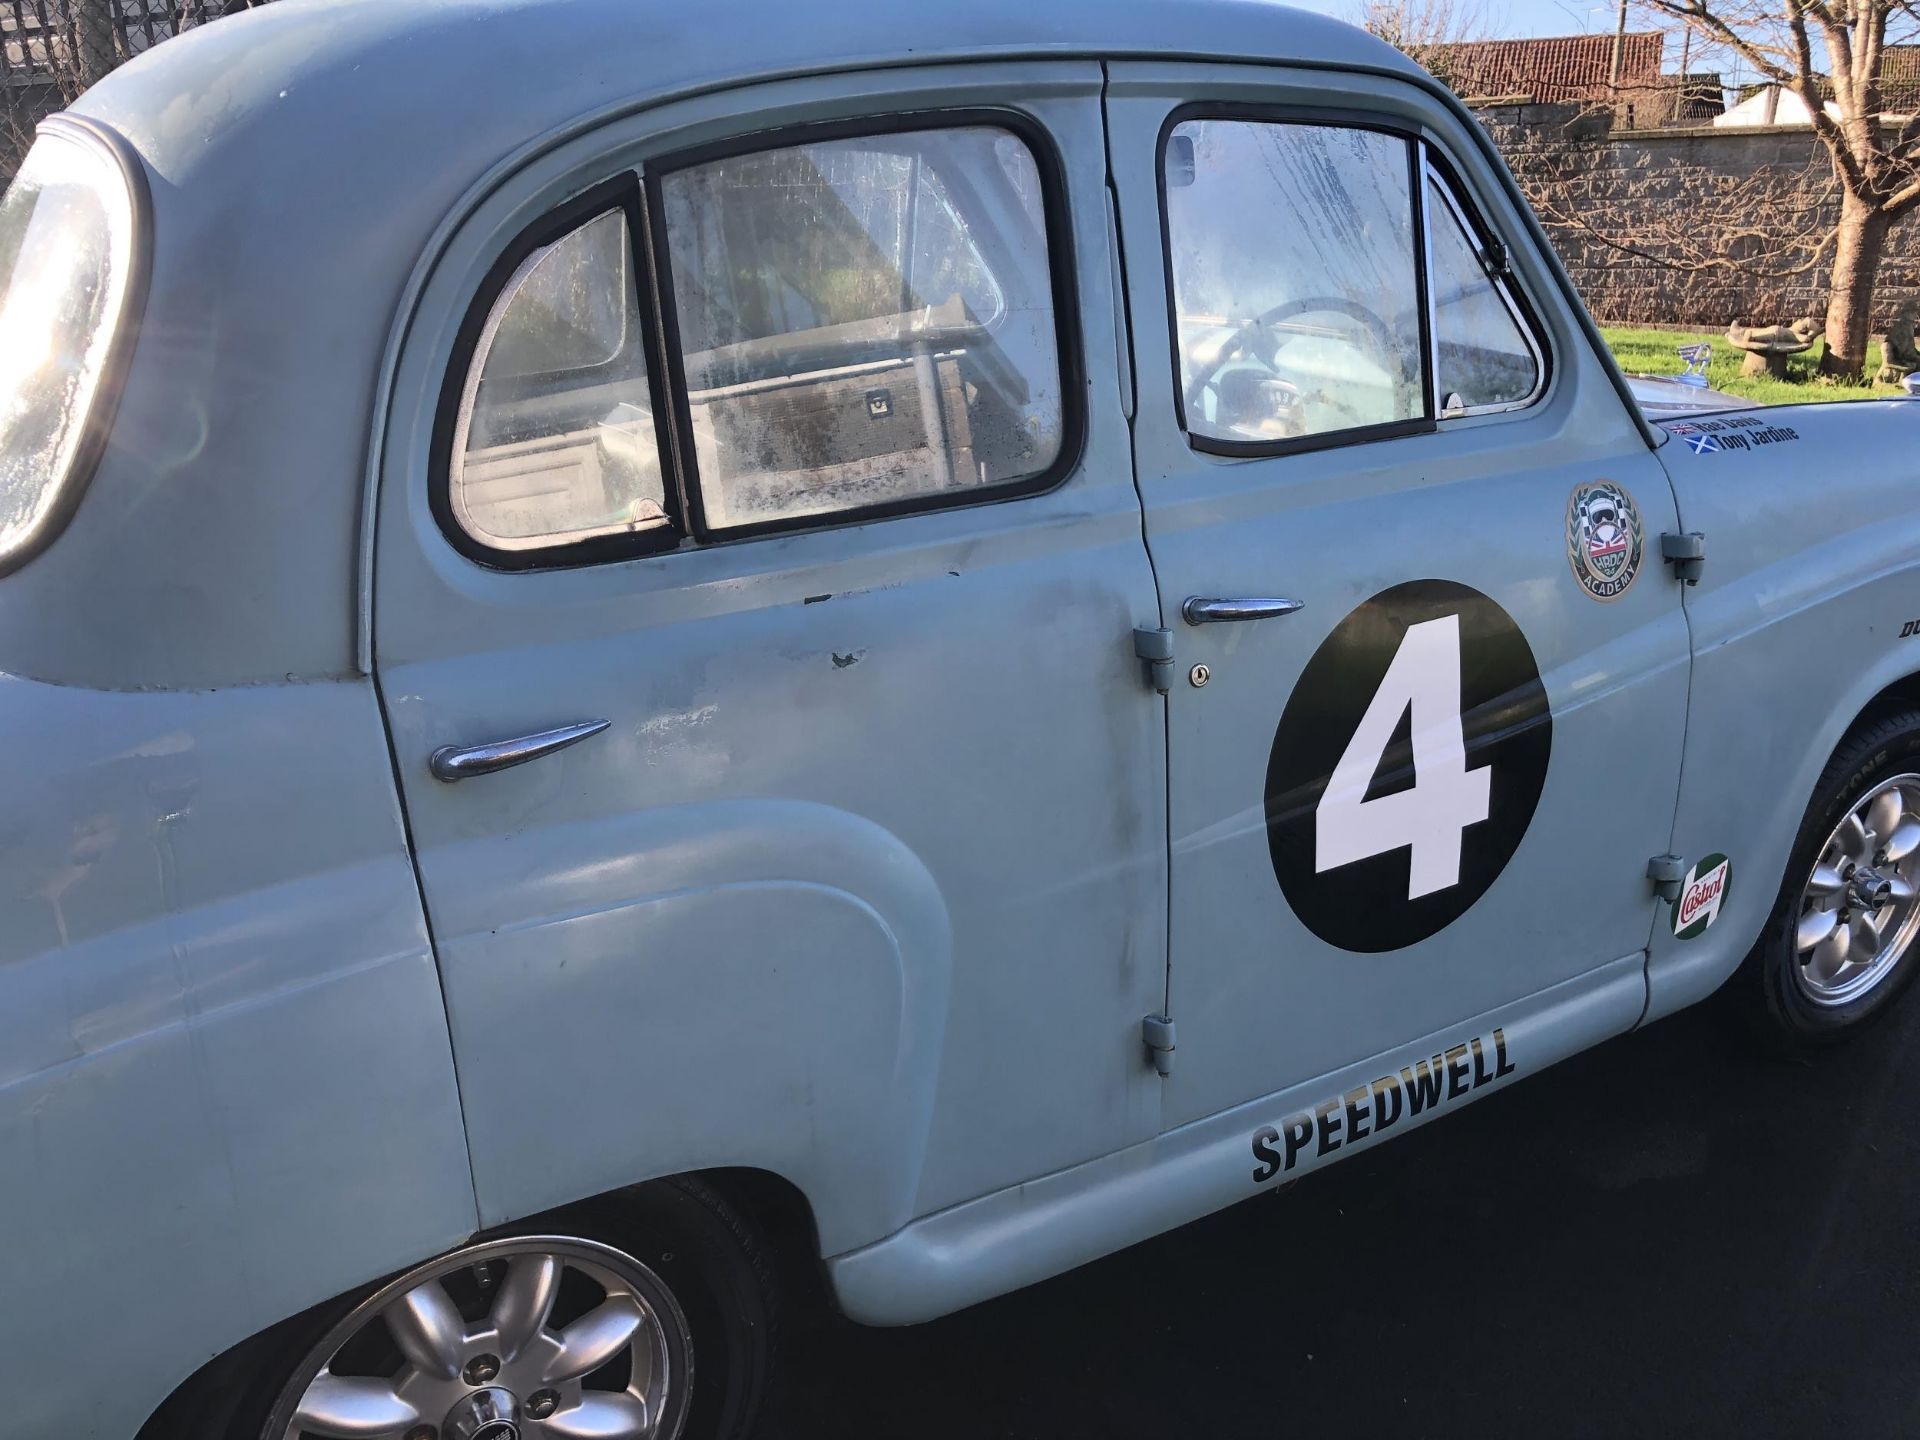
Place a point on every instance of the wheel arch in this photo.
(1900, 694)
(1682, 975)
(776, 1209)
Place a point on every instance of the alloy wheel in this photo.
(1860, 907)
(534, 1338)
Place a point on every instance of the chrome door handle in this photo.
(460, 762)
(1201, 610)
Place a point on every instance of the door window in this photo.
(852, 327)
(864, 323)
(1295, 282)
(1304, 291)
(1487, 358)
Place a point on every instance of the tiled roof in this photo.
(1551, 68)
(1900, 78)
(1703, 95)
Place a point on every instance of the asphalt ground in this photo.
(1668, 1235)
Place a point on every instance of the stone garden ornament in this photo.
(1900, 355)
(1768, 347)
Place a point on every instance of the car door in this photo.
(774, 491)
(1430, 672)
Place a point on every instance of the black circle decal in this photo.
(1406, 766)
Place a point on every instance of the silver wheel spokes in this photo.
(500, 1348)
(1858, 913)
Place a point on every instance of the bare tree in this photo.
(1763, 233)
(83, 45)
(1833, 52)
(1424, 30)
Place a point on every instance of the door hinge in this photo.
(1155, 646)
(1666, 872)
(1686, 553)
(1157, 1031)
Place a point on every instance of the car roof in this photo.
(301, 157)
(426, 95)
(527, 60)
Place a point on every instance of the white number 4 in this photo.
(1446, 796)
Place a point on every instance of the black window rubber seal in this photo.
(1056, 216)
(1326, 118)
(622, 192)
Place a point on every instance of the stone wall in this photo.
(1698, 227)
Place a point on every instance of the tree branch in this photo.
(1805, 83)
(1695, 13)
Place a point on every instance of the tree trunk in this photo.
(89, 45)
(1856, 261)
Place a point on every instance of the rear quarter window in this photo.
(555, 442)
(69, 271)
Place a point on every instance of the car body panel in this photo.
(867, 882)
(260, 125)
(1671, 397)
(1813, 570)
(872, 910)
(1262, 1001)
(224, 1069)
(972, 1252)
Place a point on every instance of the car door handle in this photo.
(1203, 610)
(461, 762)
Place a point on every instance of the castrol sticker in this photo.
(1702, 894)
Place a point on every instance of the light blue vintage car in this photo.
(983, 627)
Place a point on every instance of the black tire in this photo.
(709, 1254)
(715, 1260)
(1766, 992)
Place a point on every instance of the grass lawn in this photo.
(1651, 352)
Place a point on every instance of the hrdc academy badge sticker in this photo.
(1605, 539)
